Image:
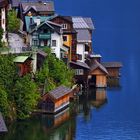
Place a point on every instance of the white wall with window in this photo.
(56, 43)
(81, 51)
(3, 23)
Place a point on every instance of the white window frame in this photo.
(64, 26)
(66, 38)
(54, 43)
(79, 72)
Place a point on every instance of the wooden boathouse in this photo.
(56, 100)
(97, 75)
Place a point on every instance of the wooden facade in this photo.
(69, 34)
(113, 68)
(56, 100)
(98, 78)
(81, 72)
(24, 65)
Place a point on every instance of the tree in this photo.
(4, 106)
(26, 96)
(13, 21)
(54, 72)
(1, 33)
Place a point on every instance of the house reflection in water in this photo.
(62, 124)
(99, 97)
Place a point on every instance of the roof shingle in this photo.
(59, 92)
(112, 64)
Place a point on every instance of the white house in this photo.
(84, 27)
(46, 34)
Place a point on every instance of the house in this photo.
(35, 8)
(3, 16)
(3, 127)
(112, 68)
(84, 28)
(56, 100)
(69, 34)
(46, 34)
(97, 75)
(81, 72)
(24, 65)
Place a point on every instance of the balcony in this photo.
(44, 36)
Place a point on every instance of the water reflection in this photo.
(61, 126)
(94, 98)
(43, 127)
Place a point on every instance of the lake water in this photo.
(113, 114)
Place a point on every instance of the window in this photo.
(3, 21)
(53, 43)
(65, 38)
(79, 72)
(64, 26)
(34, 42)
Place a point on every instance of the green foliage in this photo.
(13, 21)
(4, 106)
(1, 33)
(7, 72)
(18, 94)
(26, 96)
(55, 72)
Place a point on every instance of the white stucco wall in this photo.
(3, 23)
(80, 50)
(56, 50)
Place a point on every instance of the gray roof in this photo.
(3, 127)
(83, 35)
(59, 92)
(96, 65)
(81, 64)
(48, 6)
(82, 23)
(89, 22)
(112, 64)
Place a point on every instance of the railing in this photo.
(44, 36)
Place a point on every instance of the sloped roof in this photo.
(96, 65)
(81, 64)
(3, 3)
(27, 20)
(82, 23)
(3, 127)
(83, 35)
(39, 6)
(55, 27)
(112, 64)
(21, 59)
(67, 18)
(59, 92)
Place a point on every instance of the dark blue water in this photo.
(116, 38)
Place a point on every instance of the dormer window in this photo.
(64, 26)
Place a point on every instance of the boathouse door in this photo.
(93, 81)
(48, 105)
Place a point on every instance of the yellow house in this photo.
(69, 34)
